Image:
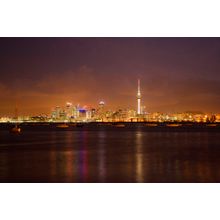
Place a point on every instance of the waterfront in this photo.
(116, 155)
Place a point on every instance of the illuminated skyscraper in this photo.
(69, 109)
(101, 104)
(139, 98)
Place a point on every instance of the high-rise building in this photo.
(101, 104)
(56, 113)
(69, 109)
(139, 98)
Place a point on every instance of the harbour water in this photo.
(119, 155)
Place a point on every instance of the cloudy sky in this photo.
(177, 74)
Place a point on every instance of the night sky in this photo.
(177, 74)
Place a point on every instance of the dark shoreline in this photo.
(148, 126)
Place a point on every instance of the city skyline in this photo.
(177, 74)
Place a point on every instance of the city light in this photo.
(71, 112)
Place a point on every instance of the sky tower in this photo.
(139, 98)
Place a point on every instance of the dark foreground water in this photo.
(118, 155)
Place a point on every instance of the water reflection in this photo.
(83, 157)
(139, 157)
(53, 159)
(110, 156)
(69, 157)
(101, 156)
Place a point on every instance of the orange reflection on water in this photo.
(139, 158)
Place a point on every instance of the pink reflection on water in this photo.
(101, 156)
(83, 167)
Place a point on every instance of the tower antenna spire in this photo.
(139, 98)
